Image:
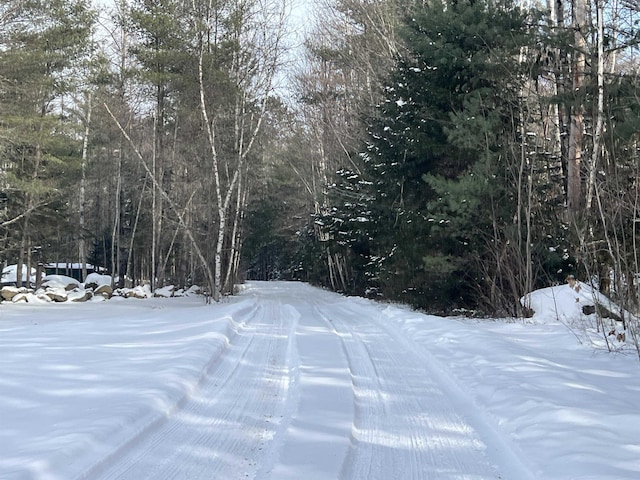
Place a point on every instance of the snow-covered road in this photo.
(282, 382)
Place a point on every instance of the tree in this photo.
(575, 198)
(254, 33)
(437, 153)
(43, 44)
(348, 56)
(161, 52)
(209, 68)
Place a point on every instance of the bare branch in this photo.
(166, 196)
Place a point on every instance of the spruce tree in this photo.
(432, 166)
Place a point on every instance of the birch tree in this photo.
(255, 29)
(348, 55)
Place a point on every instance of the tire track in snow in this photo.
(498, 446)
(410, 423)
(316, 441)
(368, 401)
(228, 424)
(122, 441)
(315, 387)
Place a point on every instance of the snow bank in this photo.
(591, 316)
(79, 382)
(567, 303)
(557, 393)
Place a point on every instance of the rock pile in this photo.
(59, 288)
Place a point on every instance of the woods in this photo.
(482, 154)
(453, 155)
(161, 105)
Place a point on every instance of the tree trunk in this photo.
(20, 263)
(129, 268)
(576, 132)
(232, 264)
(82, 249)
(154, 205)
(115, 233)
(597, 134)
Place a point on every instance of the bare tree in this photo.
(258, 33)
(350, 51)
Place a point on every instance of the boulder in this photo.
(57, 294)
(133, 293)
(41, 297)
(8, 293)
(21, 297)
(141, 291)
(194, 290)
(60, 281)
(96, 280)
(80, 295)
(164, 292)
(104, 290)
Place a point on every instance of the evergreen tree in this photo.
(436, 153)
(43, 46)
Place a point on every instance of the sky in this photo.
(300, 14)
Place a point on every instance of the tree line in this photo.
(128, 133)
(462, 153)
(446, 154)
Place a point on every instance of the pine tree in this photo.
(43, 47)
(433, 160)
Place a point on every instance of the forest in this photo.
(448, 154)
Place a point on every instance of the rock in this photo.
(57, 294)
(589, 309)
(119, 292)
(80, 295)
(8, 293)
(60, 281)
(164, 292)
(96, 280)
(604, 312)
(141, 291)
(105, 290)
(194, 290)
(132, 293)
(21, 297)
(42, 297)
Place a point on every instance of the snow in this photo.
(98, 279)
(9, 274)
(59, 281)
(71, 265)
(286, 381)
(164, 292)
